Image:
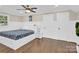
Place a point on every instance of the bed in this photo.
(16, 34)
(16, 38)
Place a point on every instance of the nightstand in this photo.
(38, 32)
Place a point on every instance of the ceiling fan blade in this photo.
(24, 6)
(34, 8)
(34, 11)
(27, 7)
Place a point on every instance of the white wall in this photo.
(67, 28)
(72, 31)
(63, 28)
(12, 26)
(13, 18)
(14, 22)
(37, 18)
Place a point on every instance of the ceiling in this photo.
(11, 9)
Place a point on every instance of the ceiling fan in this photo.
(27, 9)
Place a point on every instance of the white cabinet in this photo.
(49, 27)
(38, 32)
(62, 24)
(57, 25)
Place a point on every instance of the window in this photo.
(30, 18)
(3, 20)
(77, 28)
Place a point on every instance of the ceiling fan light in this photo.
(27, 11)
(34, 9)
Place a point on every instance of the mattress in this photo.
(16, 34)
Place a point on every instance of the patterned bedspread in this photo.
(16, 34)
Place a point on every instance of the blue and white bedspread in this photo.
(16, 34)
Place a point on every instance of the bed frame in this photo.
(15, 44)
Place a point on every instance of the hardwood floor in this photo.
(44, 45)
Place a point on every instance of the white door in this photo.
(49, 25)
(62, 21)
